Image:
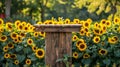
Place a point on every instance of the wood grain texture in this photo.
(58, 28)
(57, 44)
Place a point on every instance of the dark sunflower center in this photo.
(40, 53)
(104, 28)
(6, 55)
(115, 28)
(86, 29)
(26, 28)
(79, 42)
(12, 56)
(5, 48)
(28, 61)
(82, 32)
(75, 54)
(97, 31)
(50, 22)
(116, 20)
(74, 37)
(14, 35)
(22, 34)
(20, 26)
(3, 38)
(108, 23)
(96, 39)
(10, 26)
(17, 23)
(30, 41)
(34, 48)
(16, 40)
(86, 24)
(103, 22)
(10, 45)
(115, 38)
(86, 56)
(102, 51)
(82, 46)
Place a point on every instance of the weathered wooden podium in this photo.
(57, 42)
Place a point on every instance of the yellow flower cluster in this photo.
(19, 38)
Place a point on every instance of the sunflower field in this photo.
(96, 45)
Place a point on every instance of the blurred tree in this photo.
(40, 10)
(8, 8)
(99, 6)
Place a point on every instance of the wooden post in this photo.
(57, 42)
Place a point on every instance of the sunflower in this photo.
(22, 34)
(88, 34)
(86, 55)
(102, 43)
(102, 52)
(28, 25)
(34, 48)
(111, 40)
(10, 45)
(74, 38)
(16, 62)
(108, 23)
(15, 40)
(28, 61)
(20, 27)
(9, 26)
(86, 29)
(67, 21)
(13, 56)
(19, 39)
(116, 21)
(89, 20)
(13, 35)
(103, 21)
(96, 39)
(17, 22)
(39, 53)
(3, 38)
(115, 38)
(23, 23)
(1, 29)
(86, 24)
(26, 28)
(42, 34)
(76, 21)
(96, 31)
(29, 41)
(6, 55)
(75, 55)
(96, 24)
(82, 47)
(1, 21)
(82, 32)
(101, 32)
(39, 22)
(79, 42)
(104, 28)
(5, 48)
(35, 34)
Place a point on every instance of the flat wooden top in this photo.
(58, 27)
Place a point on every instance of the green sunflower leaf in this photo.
(18, 48)
(21, 58)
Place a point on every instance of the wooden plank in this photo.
(57, 44)
(58, 27)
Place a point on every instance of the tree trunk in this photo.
(7, 7)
